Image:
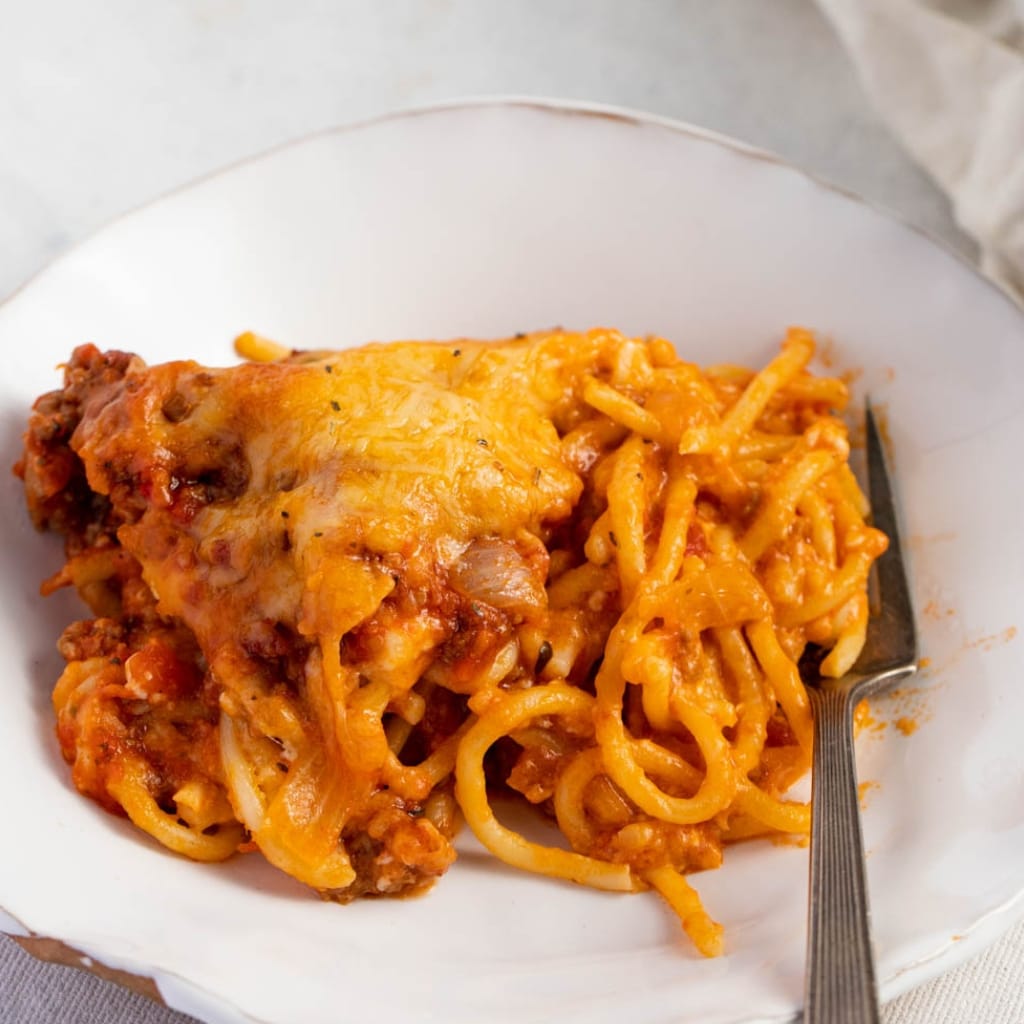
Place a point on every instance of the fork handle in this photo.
(840, 986)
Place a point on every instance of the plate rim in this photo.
(542, 104)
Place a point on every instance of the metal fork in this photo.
(840, 983)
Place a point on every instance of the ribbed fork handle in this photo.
(840, 973)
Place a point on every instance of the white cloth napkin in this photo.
(948, 77)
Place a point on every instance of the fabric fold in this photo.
(949, 81)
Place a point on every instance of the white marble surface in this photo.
(106, 105)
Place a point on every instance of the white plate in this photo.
(482, 219)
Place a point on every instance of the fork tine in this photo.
(894, 638)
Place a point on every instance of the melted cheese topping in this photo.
(409, 451)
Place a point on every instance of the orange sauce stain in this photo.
(864, 791)
(890, 374)
(986, 643)
(934, 611)
(909, 708)
(905, 708)
(864, 720)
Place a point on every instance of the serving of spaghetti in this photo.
(341, 597)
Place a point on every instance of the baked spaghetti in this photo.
(338, 596)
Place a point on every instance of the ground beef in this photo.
(59, 497)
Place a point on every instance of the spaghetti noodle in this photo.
(339, 595)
